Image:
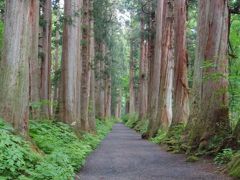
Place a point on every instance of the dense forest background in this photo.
(69, 69)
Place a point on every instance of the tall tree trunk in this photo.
(86, 71)
(14, 78)
(151, 44)
(45, 87)
(131, 83)
(155, 74)
(34, 65)
(209, 110)
(181, 89)
(164, 117)
(97, 71)
(102, 79)
(56, 69)
(92, 105)
(118, 106)
(107, 97)
(143, 74)
(71, 67)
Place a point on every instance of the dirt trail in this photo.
(123, 155)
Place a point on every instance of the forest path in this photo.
(123, 155)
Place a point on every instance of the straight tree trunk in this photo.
(14, 77)
(102, 79)
(71, 67)
(181, 89)
(209, 110)
(118, 107)
(45, 87)
(164, 117)
(150, 56)
(34, 65)
(143, 74)
(97, 72)
(86, 71)
(155, 74)
(56, 70)
(131, 83)
(92, 104)
(107, 97)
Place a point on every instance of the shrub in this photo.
(224, 157)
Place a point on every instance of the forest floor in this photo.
(123, 155)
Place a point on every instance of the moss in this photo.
(234, 166)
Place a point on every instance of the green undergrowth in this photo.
(173, 138)
(55, 151)
(132, 121)
(234, 166)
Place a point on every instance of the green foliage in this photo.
(55, 154)
(174, 138)
(159, 137)
(16, 157)
(56, 166)
(142, 126)
(234, 69)
(224, 157)
(132, 120)
(234, 166)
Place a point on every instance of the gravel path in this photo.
(123, 155)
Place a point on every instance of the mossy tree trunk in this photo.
(14, 77)
(209, 109)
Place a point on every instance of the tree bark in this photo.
(102, 80)
(181, 88)
(34, 65)
(71, 67)
(209, 110)
(118, 110)
(143, 74)
(92, 104)
(164, 117)
(151, 44)
(45, 87)
(107, 97)
(56, 93)
(86, 71)
(131, 83)
(14, 78)
(155, 74)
